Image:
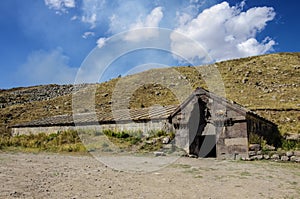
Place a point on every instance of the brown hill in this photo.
(267, 84)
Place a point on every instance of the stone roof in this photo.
(152, 113)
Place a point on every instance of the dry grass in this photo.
(268, 81)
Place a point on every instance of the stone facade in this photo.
(144, 126)
(209, 126)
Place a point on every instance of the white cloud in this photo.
(44, 67)
(60, 5)
(88, 34)
(151, 20)
(225, 32)
(93, 11)
(253, 47)
(91, 19)
(101, 42)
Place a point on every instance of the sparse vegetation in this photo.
(267, 84)
(87, 140)
(65, 141)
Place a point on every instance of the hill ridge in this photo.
(266, 84)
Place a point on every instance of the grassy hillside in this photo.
(268, 84)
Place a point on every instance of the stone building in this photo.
(205, 124)
(145, 119)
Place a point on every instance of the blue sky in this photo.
(47, 41)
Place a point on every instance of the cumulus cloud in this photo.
(225, 32)
(43, 67)
(151, 20)
(60, 5)
(147, 22)
(101, 42)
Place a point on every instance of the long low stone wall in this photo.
(145, 127)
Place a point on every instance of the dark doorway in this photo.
(207, 146)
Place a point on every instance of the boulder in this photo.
(275, 157)
(297, 153)
(269, 148)
(252, 153)
(289, 153)
(260, 157)
(293, 158)
(266, 157)
(254, 147)
(284, 158)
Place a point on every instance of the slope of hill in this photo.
(267, 84)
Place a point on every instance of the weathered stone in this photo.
(104, 95)
(260, 157)
(253, 158)
(245, 80)
(275, 157)
(252, 153)
(157, 93)
(293, 158)
(297, 153)
(284, 158)
(166, 140)
(149, 142)
(192, 156)
(266, 157)
(254, 147)
(159, 153)
(269, 148)
(292, 136)
(289, 153)
(258, 152)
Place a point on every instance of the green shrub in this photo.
(290, 144)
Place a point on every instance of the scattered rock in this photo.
(104, 95)
(193, 156)
(266, 157)
(254, 147)
(284, 158)
(245, 80)
(292, 136)
(293, 158)
(159, 153)
(260, 157)
(289, 153)
(252, 153)
(275, 157)
(269, 148)
(297, 153)
(166, 140)
(157, 93)
(253, 158)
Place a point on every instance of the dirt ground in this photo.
(45, 175)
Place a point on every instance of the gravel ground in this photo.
(46, 175)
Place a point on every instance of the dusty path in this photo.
(25, 175)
